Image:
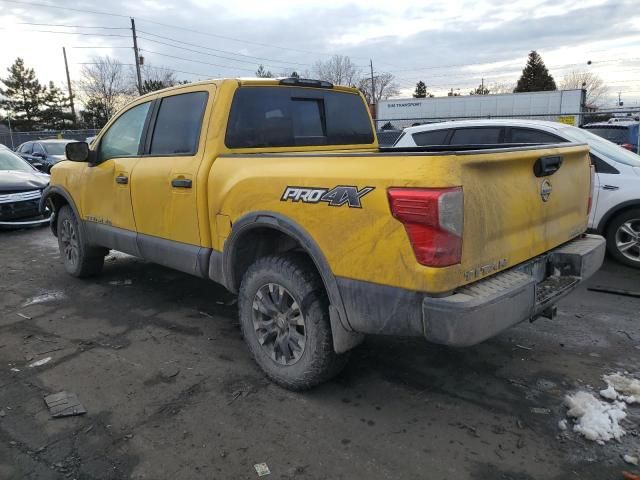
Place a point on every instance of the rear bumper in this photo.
(487, 307)
(477, 311)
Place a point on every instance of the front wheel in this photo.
(623, 238)
(79, 258)
(284, 317)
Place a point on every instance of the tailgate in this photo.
(521, 203)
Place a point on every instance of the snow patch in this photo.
(597, 420)
(627, 386)
(562, 425)
(609, 393)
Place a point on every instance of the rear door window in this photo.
(476, 136)
(178, 124)
(292, 116)
(432, 137)
(529, 135)
(601, 166)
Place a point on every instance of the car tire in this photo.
(284, 317)
(79, 258)
(624, 231)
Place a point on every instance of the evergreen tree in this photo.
(96, 113)
(421, 90)
(23, 96)
(263, 73)
(149, 86)
(57, 115)
(535, 76)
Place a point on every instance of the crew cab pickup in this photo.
(277, 189)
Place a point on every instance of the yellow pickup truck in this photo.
(277, 189)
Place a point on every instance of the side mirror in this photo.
(77, 151)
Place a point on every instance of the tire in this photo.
(624, 231)
(79, 259)
(282, 301)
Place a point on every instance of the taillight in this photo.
(433, 219)
(628, 146)
(591, 185)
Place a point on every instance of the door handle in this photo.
(181, 183)
(610, 187)
(122, 180)
(547, 165)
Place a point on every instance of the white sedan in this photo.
(615, 213)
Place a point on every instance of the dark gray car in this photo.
(43, 154)
(21, 188)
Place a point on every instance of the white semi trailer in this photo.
(564, 106)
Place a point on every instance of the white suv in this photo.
(616, 197)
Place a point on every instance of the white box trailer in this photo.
(564, 106)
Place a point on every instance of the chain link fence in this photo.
(15, 139)
(389, 129)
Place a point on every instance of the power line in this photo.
(70, 26)
(71, 33)
(218, 50)
(159, 67)
(207, 54)
(35, 4)
(232, 67)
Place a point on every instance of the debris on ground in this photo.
(26, 317)
(596, 420)
(45, 297)
(615, 291)
(262, 469)
(562, 425)
(3, 413)
(64, 404)
(39, 363)
(121, 282)
(540, 411)
(14, 369)
(630, 476)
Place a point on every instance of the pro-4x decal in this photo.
(335, 197)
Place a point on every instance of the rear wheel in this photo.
(284, 318)
(623, 238)
(79, 258)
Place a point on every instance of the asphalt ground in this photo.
(157, 359)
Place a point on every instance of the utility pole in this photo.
(66, 67)
(373, 85)
(482, 87)
(619, 99)
(135, 51)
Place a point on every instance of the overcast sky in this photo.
(447, 44)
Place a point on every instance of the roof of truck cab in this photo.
(244, 81)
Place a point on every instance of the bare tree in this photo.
(591, 82)
(339, 70)
(104, 82)
(497, 88)
(155, 78)
(384, 84)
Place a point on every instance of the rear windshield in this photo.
(56, 148)
(291, 116)
(613, 134)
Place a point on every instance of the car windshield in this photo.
(56, 148)
(617, 134)
(600, 145)
(10, 161)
